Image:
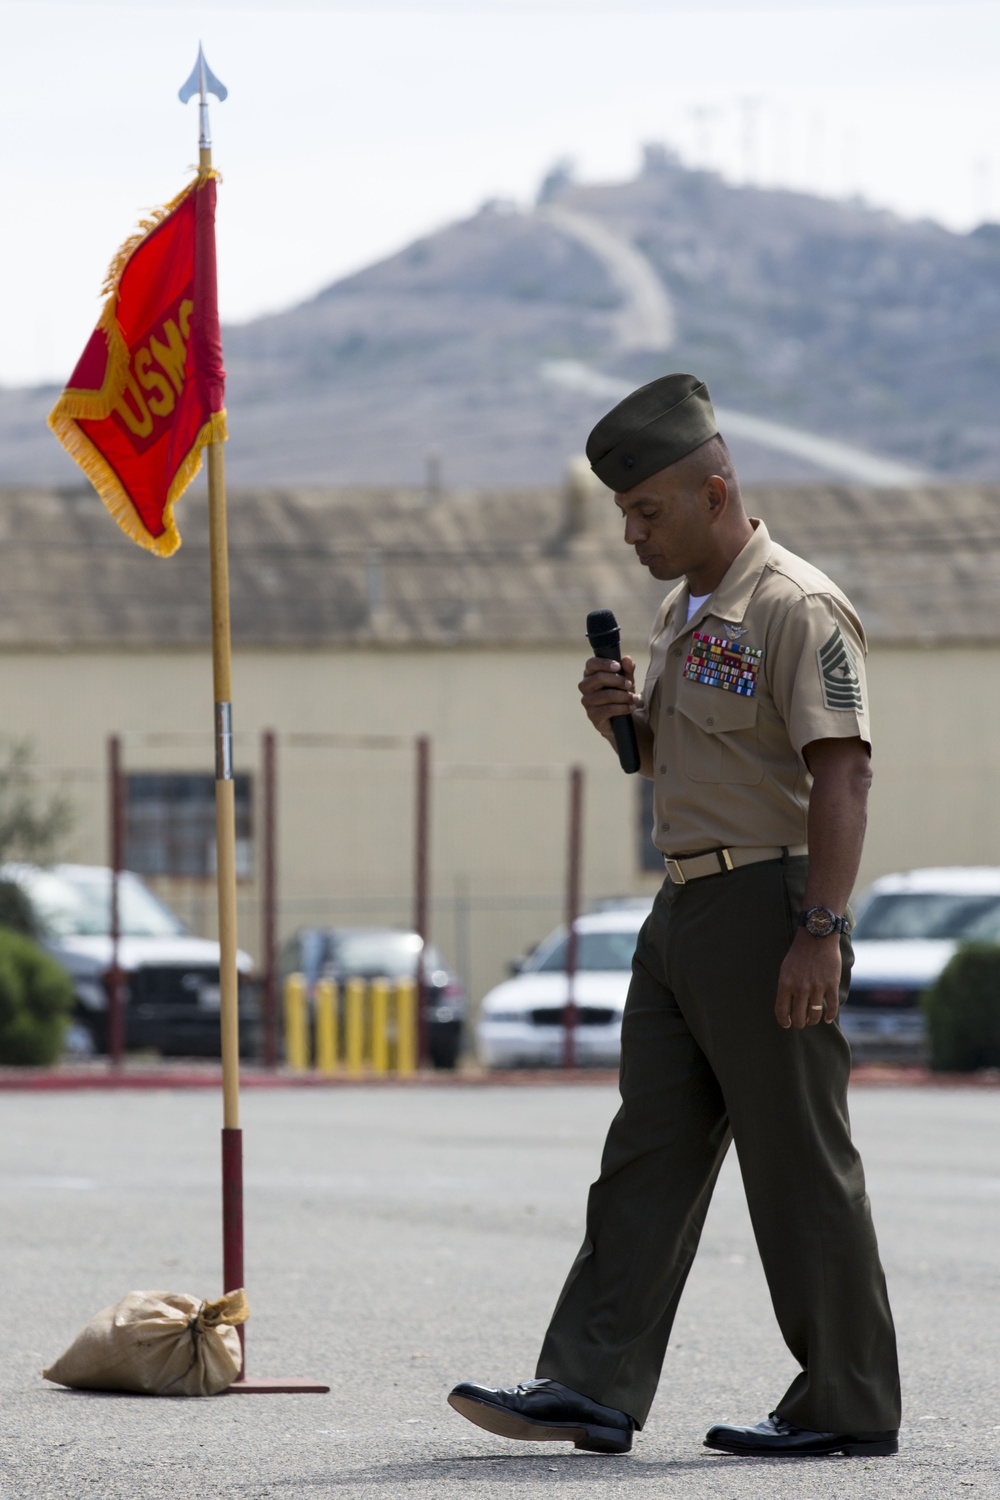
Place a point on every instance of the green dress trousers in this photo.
(704, 1062)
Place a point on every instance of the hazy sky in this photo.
(354, 125)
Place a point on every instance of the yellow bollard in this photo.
(406, 1027)
(296, 1023)
(326, 1026)
(354, 1024)
(380, 1025)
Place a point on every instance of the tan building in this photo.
(365, 618)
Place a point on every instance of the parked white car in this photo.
(521, 1021)
(908, 927)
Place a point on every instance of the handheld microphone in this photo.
(606, 642)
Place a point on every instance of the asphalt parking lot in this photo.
(401, 1239)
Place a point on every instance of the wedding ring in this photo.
(815, 1007)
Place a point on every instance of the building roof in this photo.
(316, 567)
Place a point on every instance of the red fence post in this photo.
(572, 910)
(269, 925)
(421, 883)
(116, 831)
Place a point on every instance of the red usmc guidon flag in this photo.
(147, 392)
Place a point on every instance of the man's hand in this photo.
(606, 692)
(809, 982)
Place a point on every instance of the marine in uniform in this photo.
(753, 725)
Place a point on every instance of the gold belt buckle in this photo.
(674, 870)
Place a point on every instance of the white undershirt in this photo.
(695, 601)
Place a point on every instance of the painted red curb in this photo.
(62, 1080)
(47, 1080)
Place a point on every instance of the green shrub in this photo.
(963, 1011)
(36, 999)
(16, 910)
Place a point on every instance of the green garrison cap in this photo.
(653, 427)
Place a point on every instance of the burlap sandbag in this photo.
(157, 1344)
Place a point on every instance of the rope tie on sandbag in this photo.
(230, 1310)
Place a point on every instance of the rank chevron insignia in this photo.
(839, 671)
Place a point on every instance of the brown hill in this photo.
(499, 339)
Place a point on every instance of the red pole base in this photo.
(232, 1271)
(232, 1223)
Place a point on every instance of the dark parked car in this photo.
(341, 953)
(171, 978)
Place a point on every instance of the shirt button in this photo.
(664, 827)
(710, 720)
(663, 770)
(677, 651)
(670, 708)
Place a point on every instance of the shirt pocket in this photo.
(719, 735)
(651, 698)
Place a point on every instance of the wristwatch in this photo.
(820, 922)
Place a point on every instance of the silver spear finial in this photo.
(203, 82)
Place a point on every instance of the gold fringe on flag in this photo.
(125, 252)
(111, 490)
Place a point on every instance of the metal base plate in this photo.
(289, 1385)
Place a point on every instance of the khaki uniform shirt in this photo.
(773, 660)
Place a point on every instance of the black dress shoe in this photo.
(543, 1411)
(777, 1438)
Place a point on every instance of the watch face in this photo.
(820, 921)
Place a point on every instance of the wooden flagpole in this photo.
(203, 81)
